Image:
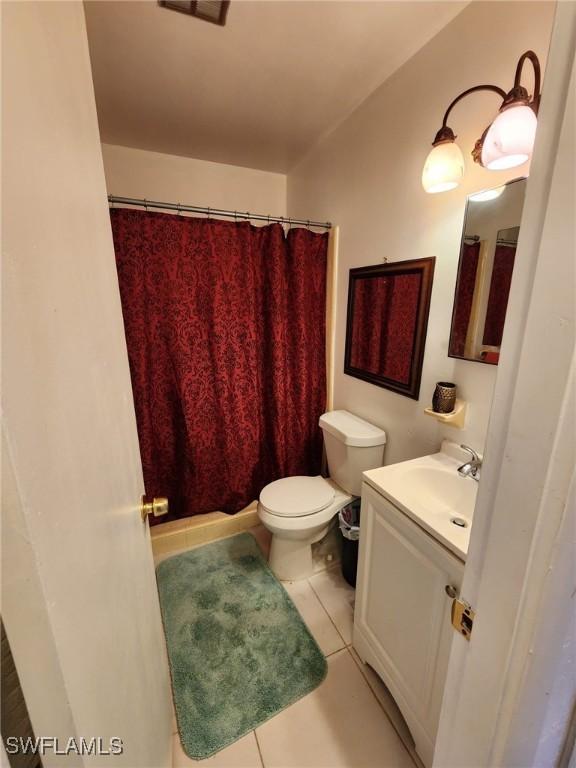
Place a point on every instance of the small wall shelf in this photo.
(454, 419)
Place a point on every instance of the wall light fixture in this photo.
(507, 142)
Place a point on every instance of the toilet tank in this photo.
(352, 447)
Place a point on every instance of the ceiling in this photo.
(258, 92)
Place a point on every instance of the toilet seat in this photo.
(297, 496)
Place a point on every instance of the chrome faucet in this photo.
(471, 468)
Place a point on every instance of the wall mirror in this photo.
(388, 307)
(489, 238)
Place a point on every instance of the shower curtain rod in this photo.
(499, 241)
(143, 203)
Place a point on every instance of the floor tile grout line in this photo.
(330, 619)
(396, 731)
(373, 692)
(259, 749)
(333, 653)
(336, 650)
(409, 750)
(327, 614)
(326, 655)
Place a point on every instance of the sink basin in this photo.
(433, 494)
(443, 489)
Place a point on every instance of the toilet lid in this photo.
(297, 496)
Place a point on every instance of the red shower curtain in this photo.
(388, 308)
(464, 298)
(225, 328)
(499, 291)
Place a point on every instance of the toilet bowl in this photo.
(298, 510)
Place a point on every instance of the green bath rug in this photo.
(239, 651)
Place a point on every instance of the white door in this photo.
(79, 595)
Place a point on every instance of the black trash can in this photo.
(349, 521)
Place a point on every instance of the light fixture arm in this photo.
(518, 91)
(447, 134)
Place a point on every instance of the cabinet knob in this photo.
(451, 591)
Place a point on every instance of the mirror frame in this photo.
(462, 239)
(426, 269)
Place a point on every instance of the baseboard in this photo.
(200, 529)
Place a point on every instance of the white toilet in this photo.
(298, 510)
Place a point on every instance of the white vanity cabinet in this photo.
(402, 626)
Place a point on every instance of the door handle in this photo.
(157, 507)
(451, 591)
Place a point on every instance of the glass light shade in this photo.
(510, 138)
(444, 168)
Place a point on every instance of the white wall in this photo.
(173, 179)
(365, 176)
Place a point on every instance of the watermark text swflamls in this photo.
(43, 745)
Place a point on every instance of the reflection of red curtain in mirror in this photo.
(464, 297)
(384, 323)
(371, 301)
(498, 297)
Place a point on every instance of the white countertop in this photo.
(430, 491)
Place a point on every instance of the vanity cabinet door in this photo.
(403, 610)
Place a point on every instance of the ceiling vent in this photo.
(209, 10)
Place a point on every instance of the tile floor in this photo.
(342, 724)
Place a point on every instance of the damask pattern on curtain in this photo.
(385, 313)
(500, 282)
(225, 328)
(464, 298)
